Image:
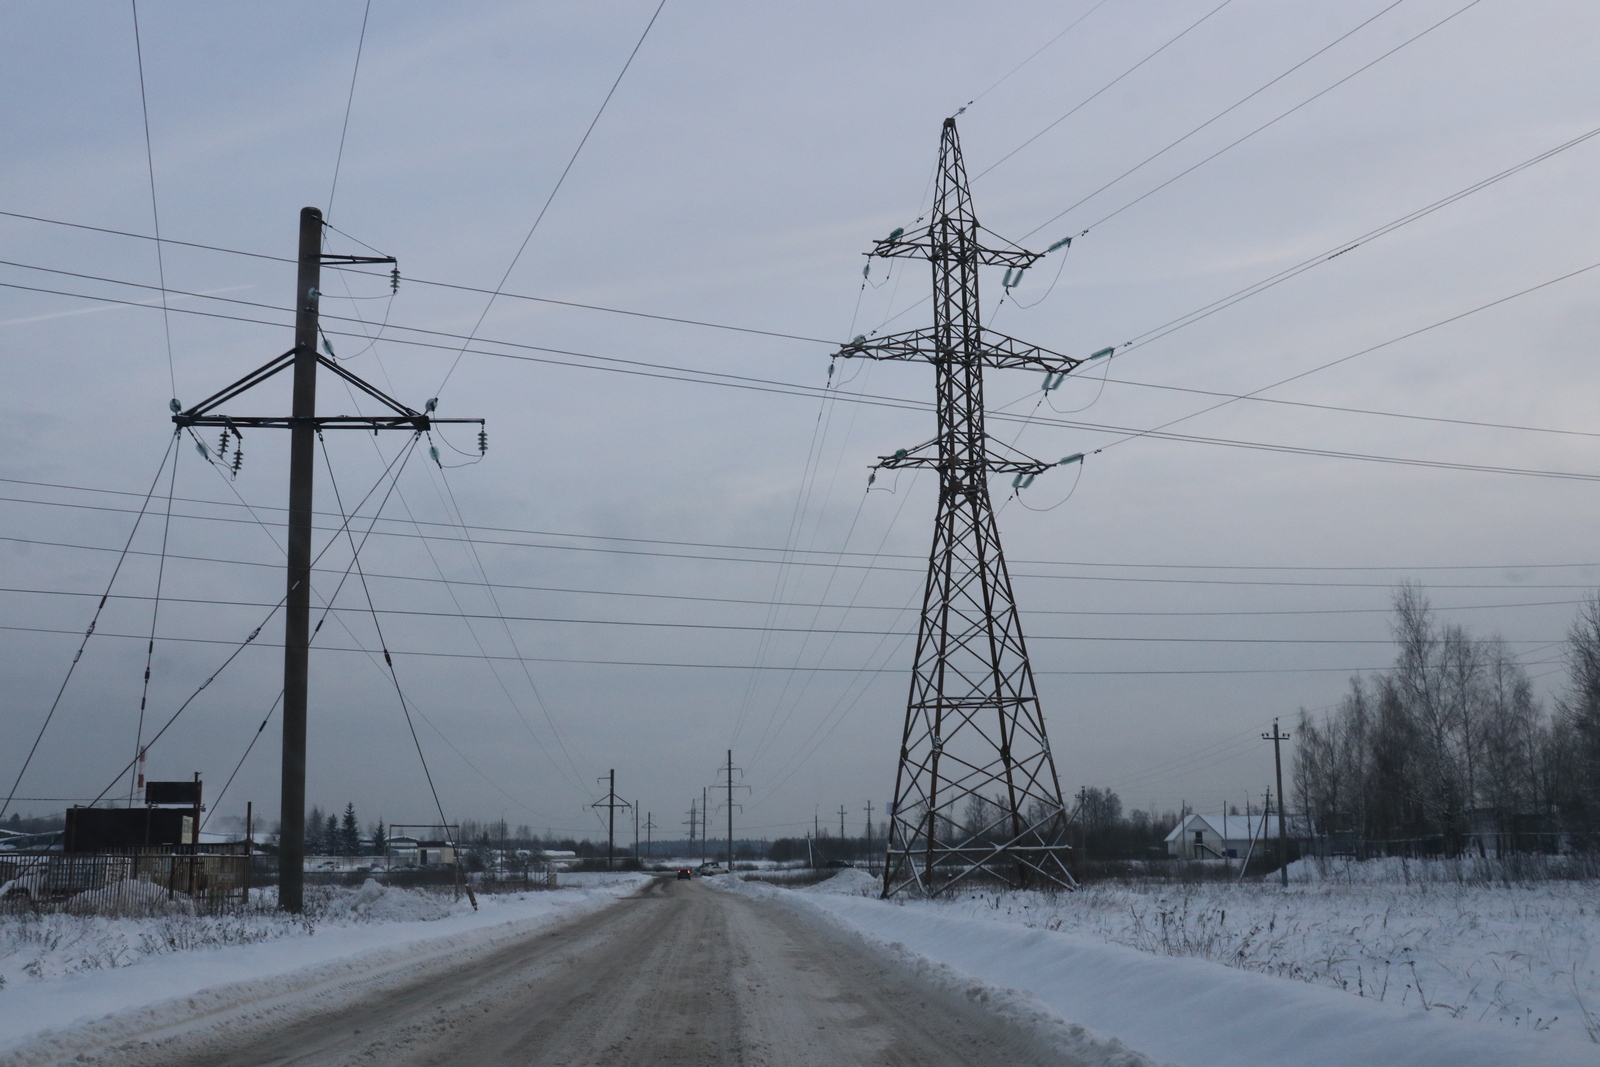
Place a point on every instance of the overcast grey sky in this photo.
(1188, 591)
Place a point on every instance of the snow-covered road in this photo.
(677, 975)
(714, 972)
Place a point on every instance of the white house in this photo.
(1222, 836)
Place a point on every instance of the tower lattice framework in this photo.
(977, 792)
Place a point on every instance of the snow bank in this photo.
(850, 882)
(66, 978)
(1188, 1011)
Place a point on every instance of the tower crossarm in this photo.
(926, 457)
(995, 349)
(925, 242)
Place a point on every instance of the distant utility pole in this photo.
(1277, 737)
(305, 426)
(649, 831)
(705, 823)
(693, 824)
(731, 769)
(635, 829)
(611, 802)
(869, 831)
(841, 822)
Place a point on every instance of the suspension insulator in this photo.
(238, 460)
(483, 442)
(433, 450)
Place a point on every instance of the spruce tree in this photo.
(350, 832)
(316, 842)
(380, 839)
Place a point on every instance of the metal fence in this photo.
(134, 882)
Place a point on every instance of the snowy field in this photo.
(59, 971)
(1520, 956)
(1435, 972)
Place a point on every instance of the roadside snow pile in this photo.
(377, 903)
(37, 948)
(130, 897)
(1515, 869)
(850, 882)
(1522, 956)
(1192, 1011)
(61, 972)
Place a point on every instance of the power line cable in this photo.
(239, 647)
(155, 213)
(1228, 110)
(1158, 332)
(155, 613)
(764, 385)
(1366, 351)
(94, 621)
(349, 102)
(1270, 122)
(1036, 54)
(556, 189)
(377, 626)
(1096, 94)
(414, 522)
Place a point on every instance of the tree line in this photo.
(1450, 750)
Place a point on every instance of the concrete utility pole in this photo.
(869, 831)
(841, 822)
(611, 802)
(635, 829)
(649, 831)
(304, 426)
(705, 822)
(730, 809)
(1277, 737)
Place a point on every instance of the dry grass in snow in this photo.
(1520, 955)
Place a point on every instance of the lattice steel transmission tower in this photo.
(977, 792)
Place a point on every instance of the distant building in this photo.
(1223, 836)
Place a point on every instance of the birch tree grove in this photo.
(1450, 746)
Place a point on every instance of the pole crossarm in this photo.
(403, 417)
(991, 349)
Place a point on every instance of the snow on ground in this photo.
(62, 970)
(1161, 985)
(1524, 957)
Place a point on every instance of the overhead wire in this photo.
(169, 454)
(349, 103)
(793, 389)
(1367, 351)
(869, 561)
(554, 190)
(377, 626)
(239, 646)
(1269, 123)
(1036, 53)
(1229, 109)
(155, 612)
(155, 213)
(1104, 88)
